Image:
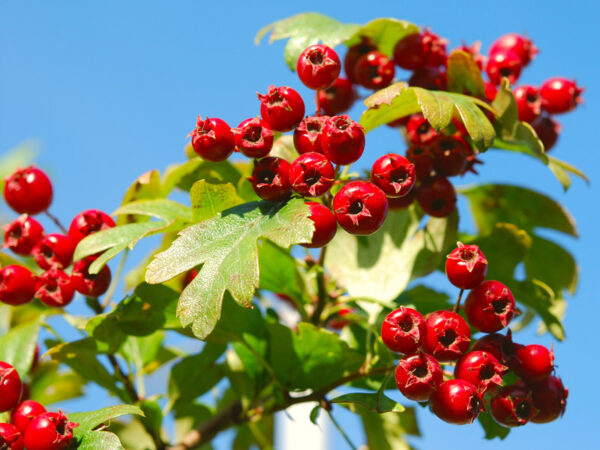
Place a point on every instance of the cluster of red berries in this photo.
(28, 192)
(482, 374)
(31, 426)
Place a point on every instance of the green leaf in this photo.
(184, 175)
(48, 385)
(425, 299)
(438, 107)
(146, 186)
(306, 29)
(562, 273)
(210, 197)
(89, 420)
(160, 208)
(279, 272)
(539, 297)
(94, 440)
(384, 33)
(388, 431)
(562, 169)
(491, 427)
(188, 416)
(464, 75)
(374, 402)
(17, 347)
(227, 247)
(284, 148)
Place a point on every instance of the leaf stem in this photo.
(457, 306)
(54, 219)
(321, 288)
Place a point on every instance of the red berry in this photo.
(418, 376)
(504, 64)
(498, 345)
(403, 330)
(337, 323)
(88, 284)
(353, 55)
(28, 191)
(449, 156)
(343, 140)
(24, 413)
(516, 43)
(429, 78)
(282, 108)
(512, 406)
(490, 91)
(419, 130)
(54, 288)
(533, 362)
(529, 102)
(360, 207)
(49, 431)
(338, 97)
(481, 369)
(466, 266)
(419, 50)
(270, 179)
(374, 70)
(456, 401)
(394, 175)
(318, 66)
(17, 285)
(560, 95)
(325, 225)
(10, 387)
(448, 335)
(547, 130)
(307, 135)
(54, 250)
(422, 157)
(398, 203)
(22, 234)
(549, 398)
(254, 138)
(11, 437)
(490, 306)
(213, 139)
(311, 174)
(89, 222)
(189, 277)
(437, 197)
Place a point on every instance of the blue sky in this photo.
(110, 90)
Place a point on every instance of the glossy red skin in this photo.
(437, 197)
(17, 285)
(422, 157)
(490, 306)
(466, 266)
(529, 102)
(89, 222)
(308, 133)
(491, 90)
(213, 139)
(22, 234)
(400, 122)
(481, 369)
(374, 70)
(547, 130)
(419, 131)
(419, 50)
(318, 66)
(418, 376)
(24, 413)
(512, 406)
(353, 54)
(28, 191)
(54, 288)
(311, 174)
(516, 43)
(504, 64)
(360, 207)
(560, 95)
(399, 203)
(430, 78)
(10, 387)
(498, 345)
(533, 362)
(337, 323)
(456, 401)
(11, 437)
(54, 250)
(394, 175)
(90, 285)
(549, 398)
(343, 140)
(189, 277)
(337, 98)
(325, 225)
(449, 156)
(282, 108)
(43, 432)
(403, 330)
(447, 337)
(253, 137)
(270, 179)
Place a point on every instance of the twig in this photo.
(457, 306)
(321, 288)
(56, 222)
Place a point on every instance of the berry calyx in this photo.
(28, 191)
(11, 438)
(89, 222)
(466, 266)
(419, 50)
(17, 285)
(54, 288)
(533, 362)
(419, 130)
(430, 78)
(374, 70)
(281, 107)
(270, 178)
(337, 98)
(307, 135)
(560, 95)
(311, 174)
(481, 369)
(490, 306)
(10, 387)
(22, 234)
(521, 45)
(504, 64)
(449, 156)
(353, 54)
(54, 250)
(418, 376)
(529, 102)
(512, 406)
(360, 207)
(49, 431)
(394, 175)
(90, 285)
(549, 398)
(422, 157)
(24, 413)
(436, 196)
(212, 139)
(325, 225)
(448, 335)
(343, 140)
(318, 66)
(456, 401)
(403, 330)
(254, 138)
(548, 130)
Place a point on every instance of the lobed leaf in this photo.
(464, 75)
(210, 197)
